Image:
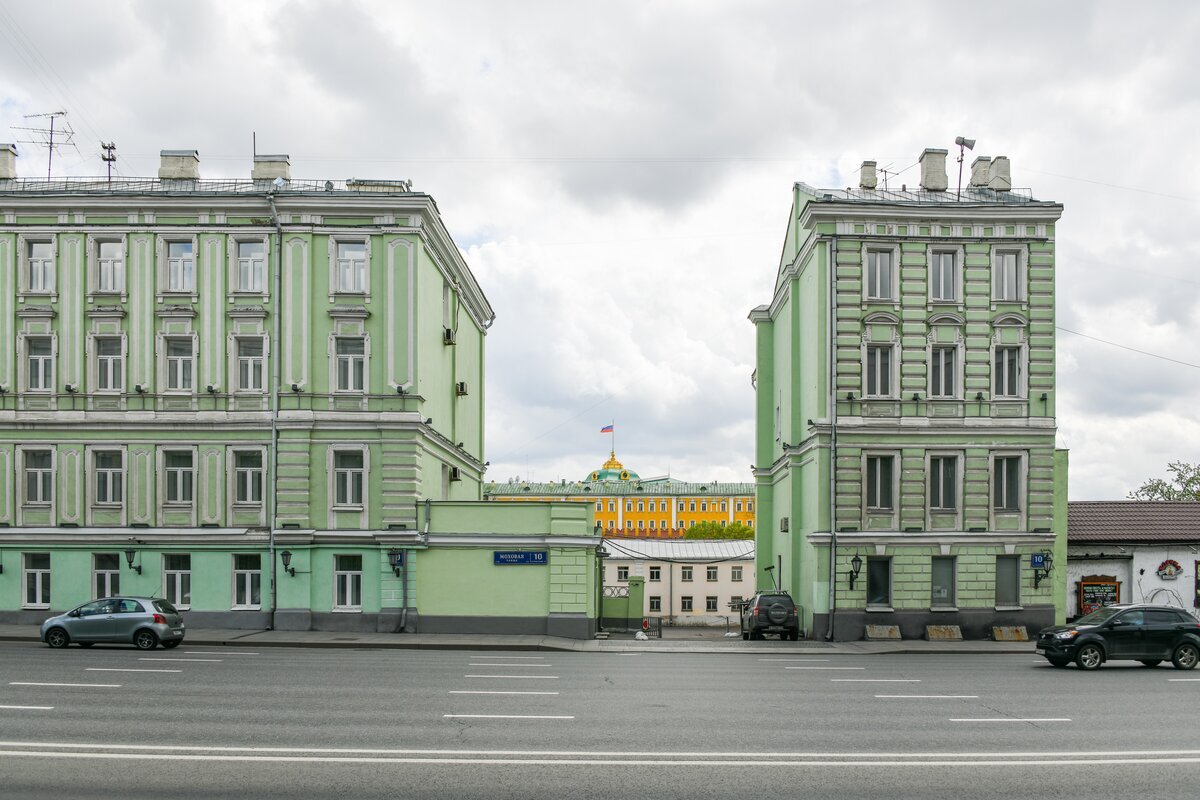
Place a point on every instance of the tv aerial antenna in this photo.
(964, 144)
(109, 157)
(58, 133)
(884, 172)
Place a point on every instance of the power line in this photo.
(1126, 347)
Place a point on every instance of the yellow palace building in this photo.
(628, 505)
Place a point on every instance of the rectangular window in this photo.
(651, 524)
(251, 266)
(738, 506)
(348, 478)
(247, 580)
(599, 503)
(40, 267)
(177, 579)
(629, 505)
(351, 267)
(942, 277)
(110, 267)
(109, 373)
(179, 365)
(40, 353)
(622, 574)
(1006, 278)
(711, 573)
(248, 477)
(879, 482)
(181, 267)
(1008, 580)
(943, 483)
(612, 505)
(347, 583)
(681, 505)
(1006, 483)
(250, 365)
(704, 505)
(942, 581)
(1007, 372)
(879, 275)
(685, 604)
(179, 475)
(710, 603)
(641, 524)
(879, 582)
(39, 477)
(655, 602)
(656, 573)
(109, 471)
(106, 572)
(351, 365)
(879, 371)
(37, 580)
(685, 573)
(942, 371)
(641, 505)
(735, 574)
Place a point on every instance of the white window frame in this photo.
(178, 479)
(105, 582)
(685, 604)
(735, 573)
(872, 376)
(892, 484)
(243, 583)
(655, 603)
(45, 477)
(108, 368)
(45, 268)
(41, 582)
(176, 580)
(655, 573)
(622, 573)
(255, 268)
(245, 366)
(336, 473)
(340, 267)
(114, 267)
(1002, 292)
(353, 582)
(243, 477)
(937, 369)
(685, 574)
(870, 254)
(46, 365)
(350, 359)
(174, 364)
(107, 478)
(179, 274)
(1000, 374)
(936, 267)
(1004, 478)
(710, 604)
(712, 573)
(936, 482)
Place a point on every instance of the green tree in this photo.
(711, 530)
(1184, 484)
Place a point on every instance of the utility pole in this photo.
(109, 158)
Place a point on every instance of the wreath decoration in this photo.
(1169, 568)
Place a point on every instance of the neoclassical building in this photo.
(905, 453)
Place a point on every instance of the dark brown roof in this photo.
(1133, 521)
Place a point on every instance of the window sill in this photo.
(880, 609)
(37, 504)
(107, 506)
(347, 610)
(942, 609)
(346, 508)
(245, 608)
(247, 505)
(37, 607)
(1010, 608)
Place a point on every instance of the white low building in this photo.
(688, 581)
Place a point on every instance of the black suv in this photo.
(1145, 633)
(770, 612)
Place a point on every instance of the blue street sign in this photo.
(1037, 561)
(519, 557)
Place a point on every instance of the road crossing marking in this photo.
(504, 716)
(115, 669)
(88, 685)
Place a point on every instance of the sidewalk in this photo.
(675, 640)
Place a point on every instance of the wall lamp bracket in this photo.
(855, 568)
(1043, 572)
(286, 557)
(129, 556)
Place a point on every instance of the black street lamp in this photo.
(855, 568)
(286, 555)
(129, 555)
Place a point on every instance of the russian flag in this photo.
(607, 429)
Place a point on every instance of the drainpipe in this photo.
(276, 359)
(831, 278)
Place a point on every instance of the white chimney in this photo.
(866, 176)
(8, 162)
(980, 169)
(1000, 175)
(268, 168)
(179, 165)
(933, 170)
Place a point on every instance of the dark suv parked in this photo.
(770, 612)
(1145, 633)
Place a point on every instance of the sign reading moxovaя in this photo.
(519, 557)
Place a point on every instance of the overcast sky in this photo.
(618, 177)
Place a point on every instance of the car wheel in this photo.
(172, 645)
(145, 640)
(57, 638)
(1185, 656)
(1151, 662)
(1090, 656)
(1059, 662)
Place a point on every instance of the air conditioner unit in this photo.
(447, 336)
(455, 474)
(460, 388)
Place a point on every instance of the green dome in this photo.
(613, 470)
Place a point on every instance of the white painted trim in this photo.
(89, 480)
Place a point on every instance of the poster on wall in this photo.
(1096, 591)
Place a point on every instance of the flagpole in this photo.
(613, 434)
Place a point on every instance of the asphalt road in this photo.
(305, 723)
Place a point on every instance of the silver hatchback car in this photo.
(144, 622)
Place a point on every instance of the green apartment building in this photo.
(905, 402)
(263, 400)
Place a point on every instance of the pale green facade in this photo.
(905, 400)
(208, 373)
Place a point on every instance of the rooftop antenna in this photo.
(885, 172)
(963, 145)
(109, 158)
(45, 136)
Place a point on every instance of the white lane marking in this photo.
(519, 677)
(1184, 680)
(514, 666)
(29, 708)
(875, 680)
(88, 685)
(1008, 719)
(114, 669)
(927, 696)
(206, 653)
(794, 659)
(201, 660)
(503, 716)
(463, 691)
(513, 658)
(824, 667)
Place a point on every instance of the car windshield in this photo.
(165, 607)
(1099, 616)
(772, 599)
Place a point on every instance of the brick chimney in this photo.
(866, 176)
(8, 162)
(268, 168)
(933, 170)
(179, 165)
(980, 168)
(1000, 174)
